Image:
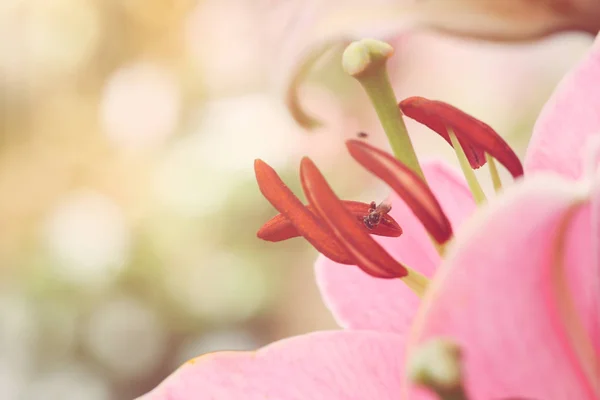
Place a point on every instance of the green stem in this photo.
(469, 174)
(494, 172)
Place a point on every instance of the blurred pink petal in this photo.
(508, 20)
(582, 258)
(319, 366)
(360, 301)
(501, 295)
(568, 120)
(492, 20)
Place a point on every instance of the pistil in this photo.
(366, 61)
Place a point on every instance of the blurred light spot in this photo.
(59, 328)
(18, 333)
(201, 169)
(223, 289)
(140, 106)
(71, 382)
(157, 14)
(88, 235)
(12, 382)
(231, 54)
(237, 130)
(46, 37)
(223, 340)
(185, 184)
(126, 336)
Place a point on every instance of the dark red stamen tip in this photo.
(419, 109)
(305, 222)
(279, 228)
(413, 190)
(475, 137)
(368, 254)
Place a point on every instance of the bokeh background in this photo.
(128, 207)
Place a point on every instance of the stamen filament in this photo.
(469, 174)
(440, 247)
(415, 281)
(366, 60)
(494, 172)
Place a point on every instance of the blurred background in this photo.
(128, 207)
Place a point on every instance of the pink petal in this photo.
(568, 120)
(583, 254)
(498, 296)
(361, 302)
(339, 365)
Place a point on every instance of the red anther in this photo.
(279, 228)
(305, 222)
(408, 185)
(475, 137)
(367, 253)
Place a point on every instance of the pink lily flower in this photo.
(523, 303)
(518, 289)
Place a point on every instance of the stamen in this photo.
(419, 109)
(280, 228)
(475, 136)
(413, 190)
(469, 174)
(307, 224)
(368, 254)
(494, 173)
